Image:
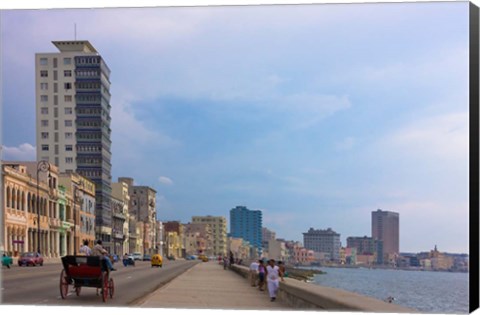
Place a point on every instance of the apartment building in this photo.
(73, 119)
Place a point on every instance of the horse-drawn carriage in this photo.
(85, 271)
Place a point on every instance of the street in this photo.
(40, 285)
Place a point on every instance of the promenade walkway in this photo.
(208, 286)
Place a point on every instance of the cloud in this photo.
(165, 180)
(346, 144)
(440, 137)
(24, 152)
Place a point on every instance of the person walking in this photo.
(281, 268)
(273, 273)
(225, 263)
(261, 275)
(98, 250)
(85, 250)
(253, 273)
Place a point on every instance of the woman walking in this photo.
(273, 273)
(261, 275)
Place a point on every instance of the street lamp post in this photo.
(75, 195)
(42, 166)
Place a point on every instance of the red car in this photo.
(30, 259)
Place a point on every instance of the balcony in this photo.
(55, 223)
(119, 215)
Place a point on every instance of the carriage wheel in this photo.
(77, 290)
(63, 284)
(104, 286)
(111, 288)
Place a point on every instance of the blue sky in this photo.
(315, 114)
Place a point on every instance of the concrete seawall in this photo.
(302, 295)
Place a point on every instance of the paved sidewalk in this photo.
(208, 286)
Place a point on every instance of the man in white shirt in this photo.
(273, 273)
(253, 273)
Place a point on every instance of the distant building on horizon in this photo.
(247, 224)
(323, 241)
(267, 235)
(367, 246)
(218, 227)
(385, 228)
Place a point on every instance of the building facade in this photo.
(79, 202)
(323, 241)
(122, 217)
(143, 208)
(385, 228)
(198, 239)
(267, 235)
(73, 119)
(247, 224)
(31, 217)
(218, 227)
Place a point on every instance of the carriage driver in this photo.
(98, 250)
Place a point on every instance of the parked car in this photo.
(203, 258)
(137, 256)
(147, 257)
(7, 261)
(171, 257)
(30, 259)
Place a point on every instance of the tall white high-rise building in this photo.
(73, 119)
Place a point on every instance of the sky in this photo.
(315, 114)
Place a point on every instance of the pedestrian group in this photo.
(269, 274)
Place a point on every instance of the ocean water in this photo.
(425, 291)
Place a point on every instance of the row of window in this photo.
(68, 123)
(88, 85)
(68, 135)
(87, 60)
(89, 111)
(94, 98)
(66, 61)
(68, 147)
(66, 98)
(89, 148)
(87, 73)
(68, 111)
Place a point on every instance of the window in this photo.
(43, 86)
(55, 112)
(67, 73)
(68, 123)
(43, 61)
(55, 100)
(44, 135)
(68, 135)
(56, 136)
(68, 147)
(44, 123)
(44, 147)
(44, 110)
(44, 98)
(68, 98)
(55, 75)
(55, 87)
(55, 124)
(67, 85)
(44, 73)
(69, 160)
(55, 62)
(67, 61)
(68, 111)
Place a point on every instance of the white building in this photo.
(73, 119)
